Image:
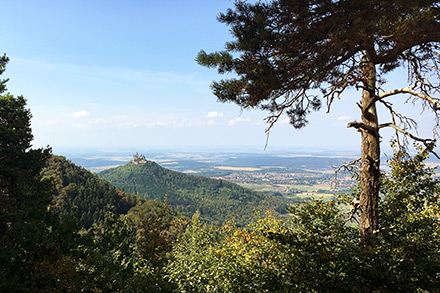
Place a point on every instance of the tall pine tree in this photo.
(24, 196)
(287, 51)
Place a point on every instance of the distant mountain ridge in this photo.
(216, 200)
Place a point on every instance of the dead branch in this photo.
(407, 121)
(435, 104)
(348, 166)
(361, 126)
(427, 142)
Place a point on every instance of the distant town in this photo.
(292, 176)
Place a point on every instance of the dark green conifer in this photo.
(24, 196)
(288, 54)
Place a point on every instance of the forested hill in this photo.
(86, 197)
(216, 200)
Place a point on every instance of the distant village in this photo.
(138, 159)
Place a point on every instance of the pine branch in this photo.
(272, 119)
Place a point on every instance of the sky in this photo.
(122, 74)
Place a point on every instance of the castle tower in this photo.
(139, 159)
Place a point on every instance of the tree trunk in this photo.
(370, 154)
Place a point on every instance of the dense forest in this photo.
(216, 200)
(81, 194)
(137, 245)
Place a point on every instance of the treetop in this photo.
(283, 49)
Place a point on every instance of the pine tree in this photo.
(284, 51)
(24, 196)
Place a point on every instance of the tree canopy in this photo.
(289, 55)
(288, 47)
(24, 196)
(216, 200)
(318, 249)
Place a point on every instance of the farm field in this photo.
(294, 177)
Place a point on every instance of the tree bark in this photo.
(370, 154)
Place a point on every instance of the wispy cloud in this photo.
(175, 123)
(81, 113)
(341, 121)
(111, 81)
(157, 123)
(214, 114)
(344, 118)
(127, 125)
(235, 121)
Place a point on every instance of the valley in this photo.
(294, 176)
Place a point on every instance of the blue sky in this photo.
(112, 74)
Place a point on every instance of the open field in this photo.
(293, 177)
(320, 171)
(295, 190)
(250, 169)
(190, 171)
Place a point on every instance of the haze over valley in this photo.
(294, 175)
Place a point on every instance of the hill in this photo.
(216, 200)
(79, 193)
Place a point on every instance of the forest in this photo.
(216, 200)
(64, 229)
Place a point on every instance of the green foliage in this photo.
(82, 195)
(195, 266)
(319, 249)
(216, 200)
(25, 226)
(121, 253)
(410, 227)
(3, 61)
(282, 51)
(109, 259)
(311, 253)
(158, 227)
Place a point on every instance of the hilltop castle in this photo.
(139, 159)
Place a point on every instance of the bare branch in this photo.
(435, 104)
(393, 114)
(361, 126)
(406, 121)
(350, 167)
(427, 142)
